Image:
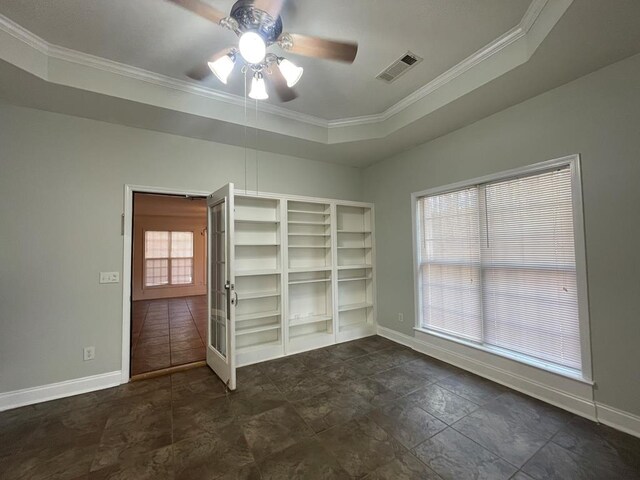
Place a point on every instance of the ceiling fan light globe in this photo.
(290, 72)
(222, 68)
(252, 47)
(258, 89)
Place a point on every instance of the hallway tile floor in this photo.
(167, 333)
(366, 409)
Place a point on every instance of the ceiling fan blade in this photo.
(272, 7)
(202, 9)
(201, 72)
(318, 47)
(284, 92)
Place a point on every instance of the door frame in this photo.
(127, 268)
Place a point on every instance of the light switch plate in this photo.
(109, 277)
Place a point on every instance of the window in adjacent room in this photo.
(496, 265)
(168, 258)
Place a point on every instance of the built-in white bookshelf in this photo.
(258, 276)
(354, 225)
(309, 313)
(304, 273)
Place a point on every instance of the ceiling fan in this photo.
(258, 24)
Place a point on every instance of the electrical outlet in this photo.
(109, 277)
(89, 353)
(401, 317)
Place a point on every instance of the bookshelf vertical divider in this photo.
(334, 274)
(285, 276)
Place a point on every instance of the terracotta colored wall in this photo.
(158, 212)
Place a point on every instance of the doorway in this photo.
(168, 283)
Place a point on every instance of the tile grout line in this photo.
(135, 347)
(436, 383)
(551, 440)
(173, 455)
(170, 349)
(195, 325)
(407, 450)
(374, 407)
(316, 434)
(546, 442)
(518, 469)
(171, 364)
(204, 343)
(410, 451)
(534, 454)
(482, 446)
(167, 317)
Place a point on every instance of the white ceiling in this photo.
(581, 37)
(160, 37)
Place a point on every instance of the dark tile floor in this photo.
(368, 408)
(167, 332)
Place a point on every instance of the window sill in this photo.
(179, 285)
(540, 365)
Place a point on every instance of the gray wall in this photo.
(597, 116)
(61, 196)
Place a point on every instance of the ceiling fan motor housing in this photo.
(250, 18)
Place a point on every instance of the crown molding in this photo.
(513, 35)
(85, 59)
(503, 54)
(532, 14)
(24, 35)
(467, 64)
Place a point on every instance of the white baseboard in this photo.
(579, 405)
(620, 420)
(28, 396)
(575, 404)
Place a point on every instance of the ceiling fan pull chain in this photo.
(244, 71)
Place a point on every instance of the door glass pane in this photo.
(218, 314)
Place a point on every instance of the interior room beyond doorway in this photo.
(168, 288)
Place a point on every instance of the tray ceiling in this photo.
(163, 38)
(555, 41)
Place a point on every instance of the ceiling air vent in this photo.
(399, 67)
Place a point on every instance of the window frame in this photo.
(169, 260)
(571, 161)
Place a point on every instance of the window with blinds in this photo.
(168, 258)
(497, 266)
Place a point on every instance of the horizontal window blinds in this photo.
(498, 266)
(450, 270)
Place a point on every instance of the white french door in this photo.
(222, 297)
